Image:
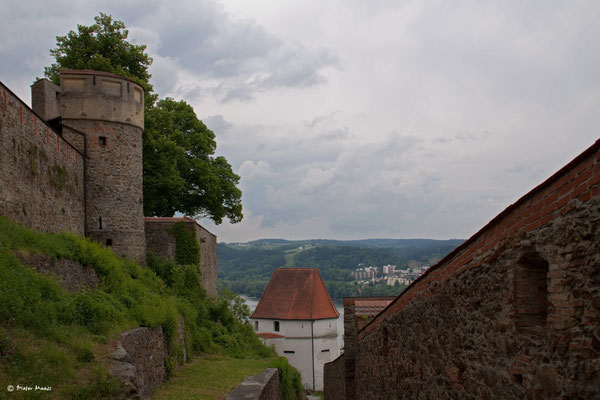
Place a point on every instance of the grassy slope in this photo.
(49, 337)
(209, 378)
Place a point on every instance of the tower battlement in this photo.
(101, 96)
(73, 162)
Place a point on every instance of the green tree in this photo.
(181, 173)
(236, 304)
(102, 46)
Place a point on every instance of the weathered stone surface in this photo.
(114, 198)
(264, 386)
(120, 354)
(70, 274)
(41, 174)
(334, 379)
(512, 314)
(138, 361)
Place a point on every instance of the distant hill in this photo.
(380, 243)
(247, 267)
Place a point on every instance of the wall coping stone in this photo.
(252, 387)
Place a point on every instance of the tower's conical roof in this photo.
(295, 293)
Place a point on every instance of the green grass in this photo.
(289, 256)
(213, 377)
(209, 378)
(51, 337)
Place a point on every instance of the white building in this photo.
(389, 269)
(296, 316)
(391, 281)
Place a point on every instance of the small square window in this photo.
(108, 242)
(102, 141)
(276, 326)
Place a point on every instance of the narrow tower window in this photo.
(531, 292)
(99, 223)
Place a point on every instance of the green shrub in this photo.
(187, 248)
(290, 381)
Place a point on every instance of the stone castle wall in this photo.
(107, 112)
(42, 174)
(339, 375)
(335, 379)
(114, 193)
(160, 241)
(208, 259)
(512, 313)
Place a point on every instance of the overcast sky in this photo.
(359, 119)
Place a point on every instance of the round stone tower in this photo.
(107, 112)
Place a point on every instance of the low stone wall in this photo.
(70, 274)
(138, 361)
(334, 379)
(264, 386)
(513, 313)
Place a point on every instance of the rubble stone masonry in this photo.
(512, 313)
(108, 111)
(41, 173)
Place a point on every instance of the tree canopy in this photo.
(181, 173)
(101, 47)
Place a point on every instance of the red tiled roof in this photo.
(295, 293)
(370, 307)
(268, 335)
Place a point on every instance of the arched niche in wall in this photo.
(531, 292)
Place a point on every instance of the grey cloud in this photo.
(336, 134)
(217, 123)
(319, 119)
(240, 55)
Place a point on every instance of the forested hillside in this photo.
(246, 268)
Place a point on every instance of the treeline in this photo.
(246, 269)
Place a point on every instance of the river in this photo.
(252, 302)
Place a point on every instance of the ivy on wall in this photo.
(187, 248)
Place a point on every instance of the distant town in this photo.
(391, 275)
